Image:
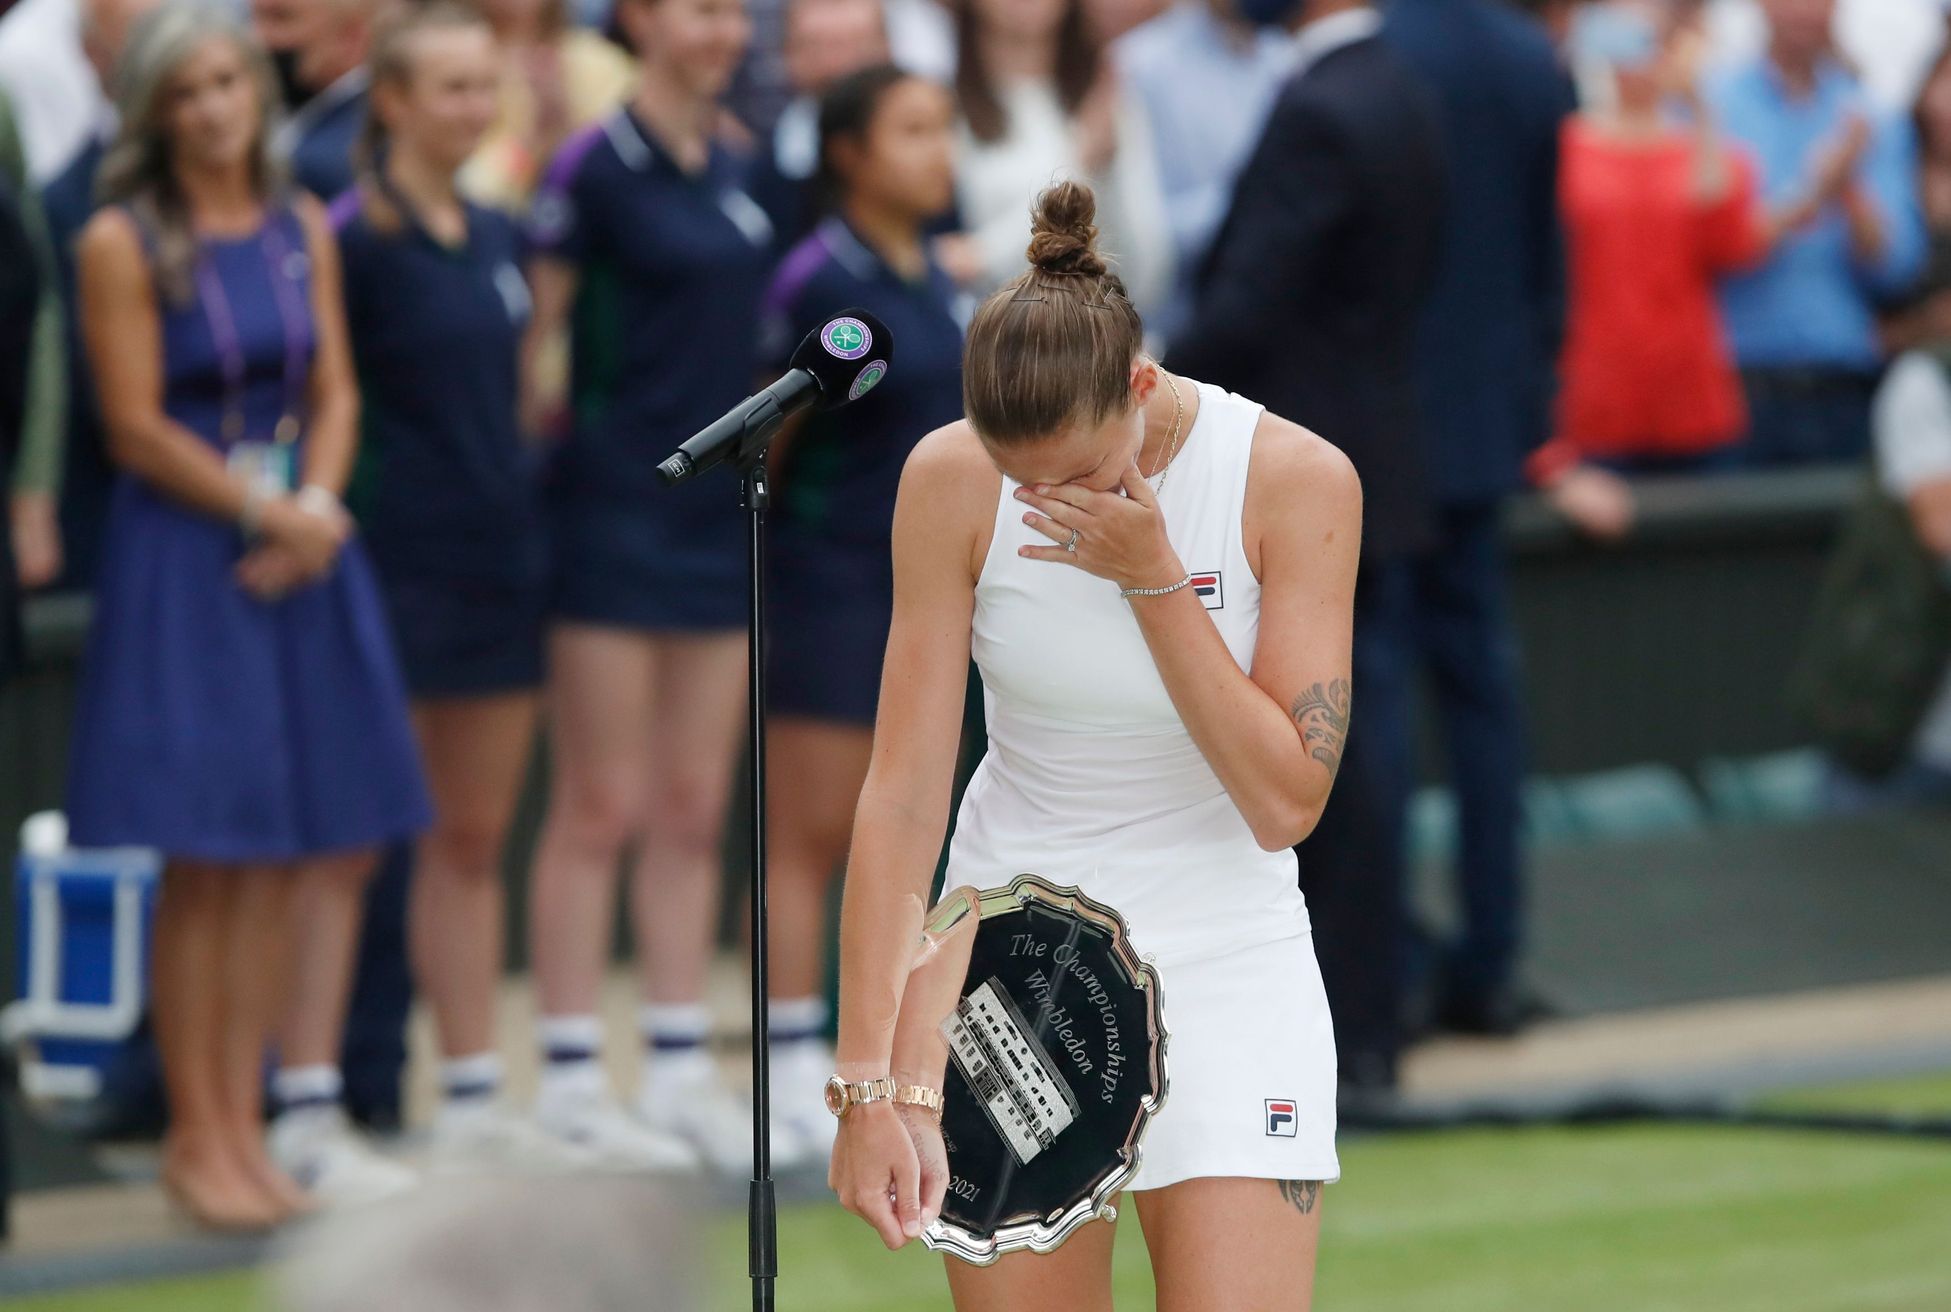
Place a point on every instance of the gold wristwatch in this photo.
(842, 1097)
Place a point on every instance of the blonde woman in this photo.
(437, 304)
(240, 709)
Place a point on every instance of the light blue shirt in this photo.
(1812, 303)
(1207, 90)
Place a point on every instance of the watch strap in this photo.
(881, 1090)
(920, 1095)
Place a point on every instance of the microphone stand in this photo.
(750, 440)
(762, 1208)
(743, 437)
(754, 497)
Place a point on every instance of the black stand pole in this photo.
(762, 1214)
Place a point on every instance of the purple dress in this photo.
(211, 725)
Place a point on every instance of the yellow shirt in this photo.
(596, 77)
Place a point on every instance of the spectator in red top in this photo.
(1656, 208)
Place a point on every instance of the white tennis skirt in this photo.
(1250, 1070)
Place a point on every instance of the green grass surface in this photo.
(1626, 1219)
(226, 1293)
(1912, 1095)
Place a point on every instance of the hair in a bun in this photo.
(1053, 347)
(1063, 232)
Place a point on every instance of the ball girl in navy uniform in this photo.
(657, 260)
(241, 708)
(446, 505)
(887, 168)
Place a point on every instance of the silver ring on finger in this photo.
(1071, 545)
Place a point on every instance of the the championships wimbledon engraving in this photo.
(1009, 1071)
(1065, 958)
(1056, 1064)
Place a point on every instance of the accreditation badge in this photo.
(1056, 1066)
(269, 468)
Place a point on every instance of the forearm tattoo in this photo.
(1322, 713)
(1303, 1194)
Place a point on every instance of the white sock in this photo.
(307, 1088)
(572, 1051)
(796, 1020)
(471, 1081)
(677, 1043)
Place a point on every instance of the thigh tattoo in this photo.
(1303, 1194)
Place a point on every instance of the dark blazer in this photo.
(1490, 335)
(1309, 299)
(88, 475)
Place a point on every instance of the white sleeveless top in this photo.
(1090, 777)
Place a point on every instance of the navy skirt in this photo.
(671, 560)
(829, 607)
(461, 637)
(213, 726)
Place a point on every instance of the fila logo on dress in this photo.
(1211, 590)
(1280, 1118)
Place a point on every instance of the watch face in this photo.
(836, 1095)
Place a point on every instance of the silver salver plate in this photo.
(1056, 1045)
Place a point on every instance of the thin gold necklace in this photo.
(1163, 470)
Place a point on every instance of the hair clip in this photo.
(1102, 302)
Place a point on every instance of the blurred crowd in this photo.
(339, 340)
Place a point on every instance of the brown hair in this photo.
(391, 63)
(847, 112)
(975, 90)
(1053, 347)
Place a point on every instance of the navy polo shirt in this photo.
(444, 484)
(844, 466)
(671, 267)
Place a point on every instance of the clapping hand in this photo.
(1831, 171)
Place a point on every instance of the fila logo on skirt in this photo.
(1280, 1118)
(1212, 592)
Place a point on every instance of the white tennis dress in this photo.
(1091, 779)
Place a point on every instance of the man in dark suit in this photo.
(1308, 304)
(1486, 358)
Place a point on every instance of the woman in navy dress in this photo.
(887, 168)
(446, 505)
(241, 708)
(656, 260)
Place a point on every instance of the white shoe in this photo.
(333, 1162)
(799, 1076)
(469, 1139)
(611, 1137)
(716, 1122)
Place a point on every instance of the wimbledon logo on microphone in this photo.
(847, 339)
(864, 384)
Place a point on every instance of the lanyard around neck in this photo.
(277, 256)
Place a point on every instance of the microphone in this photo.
(838, 362)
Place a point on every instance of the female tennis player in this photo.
(1156, 579)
